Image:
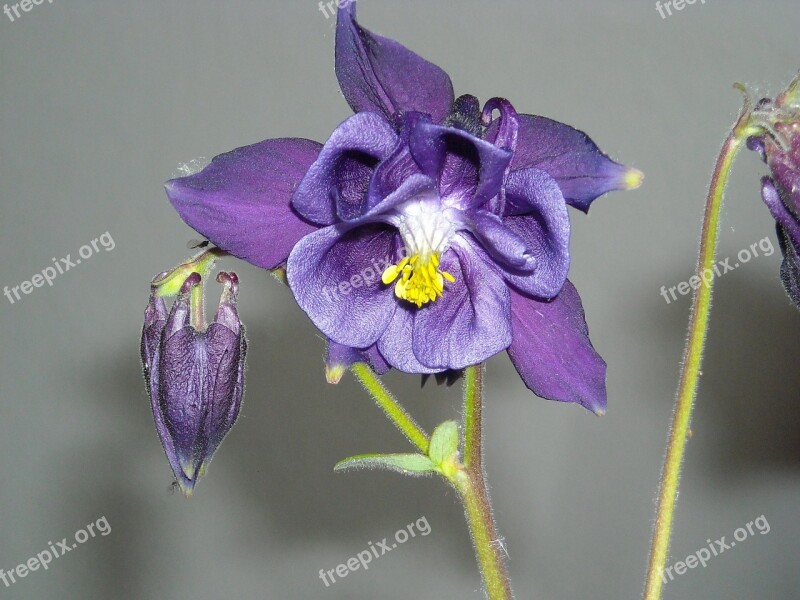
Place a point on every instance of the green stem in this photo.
(198, 307)
(693, 354)
(396, 413)
(470, 481)
(473, 494)
(473, 391)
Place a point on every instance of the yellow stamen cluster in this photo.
(421, 281)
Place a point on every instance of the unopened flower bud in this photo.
(195, 375)
(779, 147)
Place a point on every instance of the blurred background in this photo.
(102, 101)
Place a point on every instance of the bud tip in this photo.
(633, 178)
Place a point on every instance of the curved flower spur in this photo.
(194, 373)
(428, 229)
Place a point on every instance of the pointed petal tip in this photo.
(334, 373)
(189, 471)
(184, 483)
(279, 273)
(599, 411)
(187, 488)
(632, 179)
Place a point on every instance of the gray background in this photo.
(102, 100)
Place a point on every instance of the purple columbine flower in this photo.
(780, 149)
(194, 376)
(428, 229)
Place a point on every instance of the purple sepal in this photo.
(569, 156)
(380, 75)
(552, 351)
(241, 201)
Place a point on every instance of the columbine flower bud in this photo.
(780, 149)
(195, 375)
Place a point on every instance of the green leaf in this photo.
(408, 464)
(444, 442)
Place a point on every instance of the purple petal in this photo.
(155, 318)
(757, 144)
(788, 236)
(506, 131)
(469, 170)
(391, 174)
(544, 228)
(335, 186)
(223, 383)
(152, 376)
(471, 321)
(183, 402)
(552, 351)
(335, 275)
(378, 74)
(241, 201)
(415, 187)
(507, 248)
(782, 215)
(785, 167)
(395, 344)
(227, 348)
(790, 266)
(570, 157)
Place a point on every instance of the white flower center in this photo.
(426, 232)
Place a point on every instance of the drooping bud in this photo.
(779, 147)
(195, 376)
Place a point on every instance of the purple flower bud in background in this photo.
(780, 149)
(194, 375)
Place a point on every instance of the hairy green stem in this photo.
(692, 358)
(470, 481)
(473, 406)
(396, 413)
